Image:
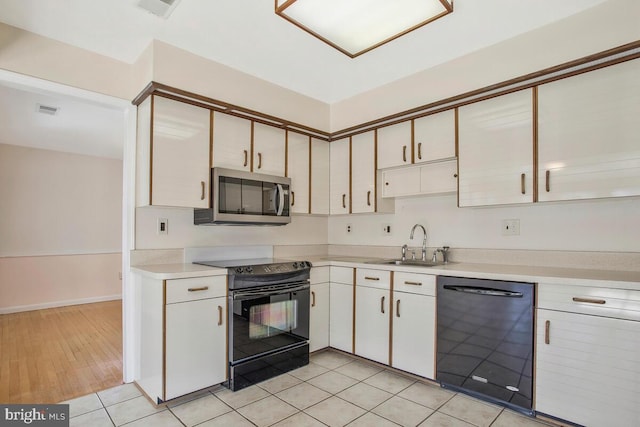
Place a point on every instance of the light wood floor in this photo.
(52, 355)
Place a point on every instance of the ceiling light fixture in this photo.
(357, 26)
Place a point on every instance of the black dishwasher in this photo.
(485, 339)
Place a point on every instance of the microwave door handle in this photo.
(280, 204)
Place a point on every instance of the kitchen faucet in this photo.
(424, 240)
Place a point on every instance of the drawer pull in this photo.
(371, 278)
(398, 308)
(219, 315)
(313, 299)
(202, 194)
(589, 300)
(204, 288)
(382, 305)
(547, 327)
(406, 282)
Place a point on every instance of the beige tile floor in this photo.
(335, 389)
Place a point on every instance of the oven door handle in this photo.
(262, 293)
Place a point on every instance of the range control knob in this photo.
(295, 265)
(239, 270)
(249, 269)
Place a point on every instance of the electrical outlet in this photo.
(510, 227)
(349, 228)
(163, 226)
(386, 229)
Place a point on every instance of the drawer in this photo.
(181, 290)
(319, 275)
(607, 302)
(341, 275)
(424, 284)
(373, 278)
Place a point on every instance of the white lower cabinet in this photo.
(319, 309)
(372, 314)
(341, 309)
(587, 366)
(414, 324)
(182, 327)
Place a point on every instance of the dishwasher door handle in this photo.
(483, 291)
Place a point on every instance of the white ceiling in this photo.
(246, 35)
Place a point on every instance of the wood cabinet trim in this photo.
(391, 314)
(252, 146)
(413, 141)
(151, 152)
(310, 172)
(350, 176)
(164, 340)
(534, 95)
(353, 313)
(375, 170)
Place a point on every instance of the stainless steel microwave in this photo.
(245, 198)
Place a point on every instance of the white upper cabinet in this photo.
(180, 150)
(435, 137)
(588, 135)
(268, 149)
(319, 177)
(363, 178)
(339, 181)
(401, 182)
(394, 145)
(298, 171)
(231, 142)
(495, 150)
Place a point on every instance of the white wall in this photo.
(303, 230)
(597, 225)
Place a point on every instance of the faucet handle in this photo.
(404, 252)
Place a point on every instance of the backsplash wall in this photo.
(609, 225)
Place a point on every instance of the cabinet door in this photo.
(341, 316)
(339, 181)
(268, 149)
(195, 345)
(319, 177)
(440, 177)
(394, 145)
(372, 323)
(401, 182)
(435, 137)
(319, 317)
(587, 369)
(495, 150)
(414, 323)
(231, 142)
(363, 179)
(180, 154)
(588, 135)
(298, 171)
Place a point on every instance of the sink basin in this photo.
(413, 262)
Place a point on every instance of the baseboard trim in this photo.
(53, 304)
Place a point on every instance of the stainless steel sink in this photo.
(412, 262)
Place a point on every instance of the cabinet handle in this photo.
(259, 160)
(203, 288)
(398, 308)
(455, 175)
(202, 185)
(413, 283)
(371, 278)
(344, 201)
(386, 183)
(522, 189)
(404, 153)
(293, 198)
(547, 327)
(382, 304)
(313, 299)
(219, 315)
(589, 300)
(246, 158)
(547, 176)
(419, 150)
(369, 198)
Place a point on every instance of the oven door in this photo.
(267, 320)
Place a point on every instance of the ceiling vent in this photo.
(161, 8)
(45, 109)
